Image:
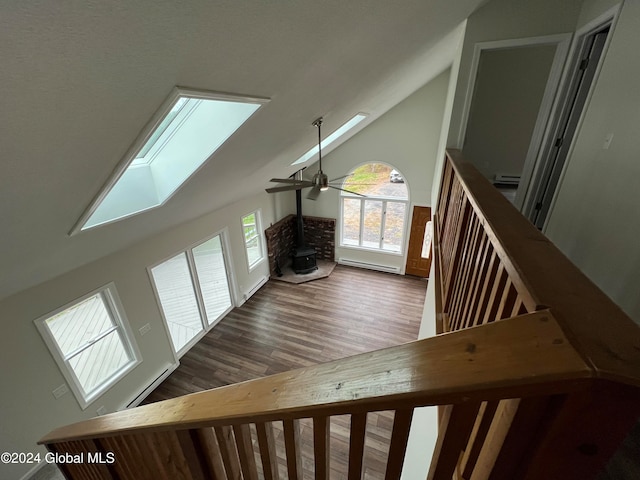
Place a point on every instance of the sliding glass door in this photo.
(193, 291)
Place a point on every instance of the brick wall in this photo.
(319, 233)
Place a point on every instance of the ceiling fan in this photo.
(320, 181)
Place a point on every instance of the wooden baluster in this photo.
(398, 444)
(125, 454)
(471, 259)
(246, 456)
(496, 294)
(478, 435)
(498, 430)
(455, 429)
(357, 437)
(82, 470)
(209, 442)
(193, 453)
(487, 284)
(479, 267)
(267, 444)
(224, 435)
(456, 254)
(462, 272)
(176, 457)
(321, 447)
(292, 447)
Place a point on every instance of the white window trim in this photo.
(147, 132)
(259, 234)
(114, 307)
(231, 282)
(384, 200)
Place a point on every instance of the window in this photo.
(193, 291)
(252, 238)
(331, 138)
(186, 131)
(376, 221)
(91, 343)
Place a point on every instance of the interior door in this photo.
(419, 250)
(574, 102)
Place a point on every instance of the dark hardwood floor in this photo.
(286, 326)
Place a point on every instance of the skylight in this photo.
(186, 131)
(331, 138)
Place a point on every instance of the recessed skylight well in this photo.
(185, 132)
(331, 138)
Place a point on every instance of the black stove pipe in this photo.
(300, 240)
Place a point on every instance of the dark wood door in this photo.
(419, 251)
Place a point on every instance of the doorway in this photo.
(584, 64)
(508, 104)
(419, 250)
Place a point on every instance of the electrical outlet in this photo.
(101, 410)
(145, 329)
(60, 391)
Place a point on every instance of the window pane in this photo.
(253, 250)
(250, 232)
(426, 242)
(250, 229)
(351, 221)
(100, 361)
(372, 223)
(178, 300)
(212, 275)
(376, 179)
(80, 324)
(249, 226)
(394, 226)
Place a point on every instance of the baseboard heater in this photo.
(370, 266)
(137, 400)
(255, 288)
(506, 180)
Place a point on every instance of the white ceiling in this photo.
(79, 80)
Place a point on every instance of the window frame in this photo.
(384, 201)
(113, 306)
(259, 235)
(85, 222)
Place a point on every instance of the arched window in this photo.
(377, 220)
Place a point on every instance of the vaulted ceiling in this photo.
(80, 80)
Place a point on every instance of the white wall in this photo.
(405, 137)
(509, 85)
(596, 217)
(503, 20)
(29, 373)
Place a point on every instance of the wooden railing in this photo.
(545, 392)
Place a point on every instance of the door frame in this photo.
(526, 199)
(562, 42)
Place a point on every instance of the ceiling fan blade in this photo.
(285, 180)
(348, 191)
(313, 193)
(340, 178)
(285, 188)
(355, 184)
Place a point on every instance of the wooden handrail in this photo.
(492, 265)
(531, 352)
(597, 327)
(478, 363)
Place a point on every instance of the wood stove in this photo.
(304, 260)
